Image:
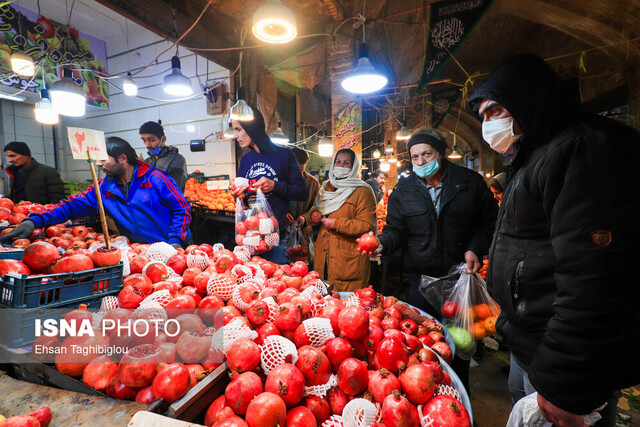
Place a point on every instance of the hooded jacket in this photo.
(276, 163)
(42, 183)
(566, 235)
(154, 210)
(171, 162)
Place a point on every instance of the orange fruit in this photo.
(479, 331)
(490, 325)
(481, 311)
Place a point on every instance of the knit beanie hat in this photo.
(428, 136)
(18, 147)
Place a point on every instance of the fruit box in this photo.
(10, 252)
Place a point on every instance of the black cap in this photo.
(428, 136)
(153, 128)
(18, 147)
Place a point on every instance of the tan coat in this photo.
(337, 249)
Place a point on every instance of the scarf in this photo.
(330, 201)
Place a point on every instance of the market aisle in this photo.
(490, 398)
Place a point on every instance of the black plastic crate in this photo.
(52, 289)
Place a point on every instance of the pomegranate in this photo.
(257, 312)
(292, 282)
(104, 257)
(180, 304)
(196, 373)
(392, 355)
(396, 411)
(72, 263)
(189, 277)
(72, 360)
(243, 356)
(286, 381)
(22, 243)
(170, 286)
(314, 365)
(117, 390)
(208, 308)
(299, 268)
(140, 281)
(418, 383)
(172, 382)
(138, 262)
(413, 343)
(43, 415)
(241, 390)
(21, 421)
(79, 231)
(382, 383)
(99, 372)
(303, 304)
(436, 369)
(13, 266)
(266, 410)
(130, 297)
(426, 340)
(338, 399)
(16, 219)
(194, 347)
(332, 312)
(39, 256)
(447, 411)
(409, 326)
(178, 263)
(443, 349)
(353, 376)
(145, 395)
(138, 365)
(192, 292)
(338, 350)
(319, 407)
(367, 242)
(215, 411)
(187, 322)
(157, 272)
(288, 317)
(265, 330)
(300, 416)
(373, 338)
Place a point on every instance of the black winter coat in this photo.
(42, 183)
(171, 162)
(436, 243)
(562, 260)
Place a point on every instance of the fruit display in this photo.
(257, 228)
(198, 194)
(381, 212)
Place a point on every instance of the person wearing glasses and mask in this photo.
(345, 209)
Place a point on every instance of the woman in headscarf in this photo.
(345, 209)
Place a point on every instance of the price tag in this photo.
(218, 185)
(83, 141)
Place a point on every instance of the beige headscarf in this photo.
(330, 201)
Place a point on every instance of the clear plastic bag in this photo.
(257, 227)
(297, 249)
(467, 309)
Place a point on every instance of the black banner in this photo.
(441, 103)
(450, 22)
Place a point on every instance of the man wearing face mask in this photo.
(165, 158)
(566, 232)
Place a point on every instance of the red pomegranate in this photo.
(16, 219)
(418, 383)
(99, 372)
(194, 347)
(43, 415)
(169, 285)
(353, 321)
(189, 276)
(319, 407)
(332, 312)
(13, 266)
(77, 352)
(288, 317)
(21, 421)
(382, 383)
(338, 350)
(443, 349)
(396, 411)
(265, 330)
(104, 257)
(180, 304)
(266, 410)
(138, 262)
(157, 272)
(413, 343)
(117, 390)
(392, 355)
(21, 243)
(241, 390)
(140, 281)
(447, 411)
(215, 410)
(145, 395)
(436, 369)
(196, 372)
(178, 263)
(303, 304)
(172, 382)
(130, 297)
(286, 381)
(257, 312)
(6, 202)
(71, 264)
(243, 356)
(338, 399)
(299, 268)
(314, 365)
(138, 365)
(367, 242)
(373, 338)
(39, 256)
(353, 376)
(208, 308)
(186, 322)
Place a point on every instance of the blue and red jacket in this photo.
(155, 210)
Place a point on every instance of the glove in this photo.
(22, 231)
(176, 245)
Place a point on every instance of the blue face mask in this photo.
(427, 170)
(155, 151)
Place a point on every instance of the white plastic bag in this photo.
(526, 413)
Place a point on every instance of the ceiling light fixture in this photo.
(176, 83)
(403, 133)
(129, 87)
(389, 148)
(274, 23)
(67, 97)
(22, 64)
(44, 111)
(228, 132)
(364, 78)
(376, 154)
(278, 137)
(384, 166)
(455, 154)
(325, 146)
(241, 110)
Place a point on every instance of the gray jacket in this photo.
(172, 163)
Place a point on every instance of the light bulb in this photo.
(176, 83)
(364, 78)
(22, 64)
(274, 23)
(129, 87)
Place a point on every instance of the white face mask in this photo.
(340, 172)
(499, 134)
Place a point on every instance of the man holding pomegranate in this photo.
(566, 234)
(145, 204)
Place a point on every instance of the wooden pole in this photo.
(103, 217)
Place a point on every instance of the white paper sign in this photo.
(218, 185)
(83, 141)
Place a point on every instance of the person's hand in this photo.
(330, 223)
(473, 263)
(140, 157)
(290, 219)
(300, 222)
(559, 417)
(238, 192)
(22, 231)
(265, 184)
(375, 253)
(316, 217)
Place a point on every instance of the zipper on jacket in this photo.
(516, 280)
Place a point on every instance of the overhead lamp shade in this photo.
(228, 132)
(176, 83)
(364, 79)
(278, 137)
(129, 87)
(364, 167)
(403, 133)
(67, 97)
(384, 166)
(274, 23)
(376, 154)
(241, 110)
(44, 110)
(392, 160)
(455, 154)
(325, 146)
(22, 64)
(388, 148)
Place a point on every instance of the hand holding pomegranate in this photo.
(369, 244)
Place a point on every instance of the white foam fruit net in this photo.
(260, 282)
(224, 337)
(265, 226)
(320, 286)
(359, 413)
(221, 285)
(447, 390)
(322, 389)
(170, 273)
(241, 273)
(217, 247)
(425, 419)
(272, 240)
(240, 303)
(334, 421)
(318, 330)
(352, 300)
(275, 351)
(242, 254)
(109, 303)
(273, 308)
(161, 251)
(152, 311)
(198, 259)
(161, 297)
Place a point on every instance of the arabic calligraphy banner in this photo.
(54, 44)
(347, 126)
(441, 103)
(451, 21)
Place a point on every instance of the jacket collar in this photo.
(110, 184)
